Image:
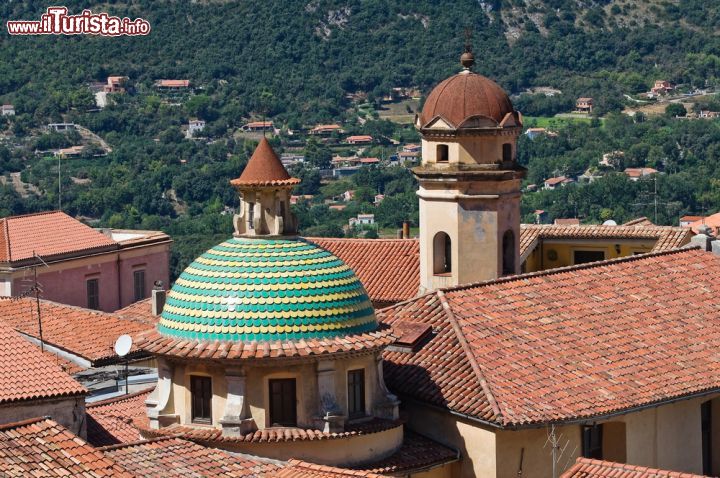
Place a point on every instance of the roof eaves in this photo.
(560, 270)
(447, 308)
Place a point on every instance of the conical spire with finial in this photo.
(467, 59)
(264, 169)
(265, 188)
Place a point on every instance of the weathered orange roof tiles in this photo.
(175, 458)
(571, 343)
(27, 374)
(264, 169)
(41, 447)
(48, 234)
(589, 468)
(89, 334)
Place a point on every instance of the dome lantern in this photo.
(265, 187)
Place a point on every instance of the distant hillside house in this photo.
(255, 126)
(584, 105)
(8, 110)
(362, 220)
(195, 126)
(172, 84)
(369, 160)
(115, 84)
(71, 152)
(59, 127)
(553, 183)
(662, 87)
(104, 270)
(412, 148)
(636, 173)
(359, 139)
(709, 114)
(325, 129)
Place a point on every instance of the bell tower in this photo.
(469, 181)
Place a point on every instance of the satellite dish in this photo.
(609, 222)
(122, 345)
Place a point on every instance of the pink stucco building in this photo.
(99, 269)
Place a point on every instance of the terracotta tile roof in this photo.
(89, 334)
(589, 468)
(173, 83)
(570, 343)
(442, 372)
(27, 374)
(712, 221)
(640, 221)
(155, 343)
(140, 311)
(267, 435)
(110, 422)
(176, 458)
(665, 237)
(70, 368)
(41, 447)
(388, 268)
(21, 235)
(416, 453)
(302, 469)
(264, 169)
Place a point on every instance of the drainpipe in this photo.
(119, 281)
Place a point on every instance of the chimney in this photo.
(406, 230)
(158, 298)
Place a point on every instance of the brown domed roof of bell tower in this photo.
(464, 96)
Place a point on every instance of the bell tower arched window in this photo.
(442, 153)
(508, 253)
(442, 254)
(507, 152)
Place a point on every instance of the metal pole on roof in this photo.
(59, 186)
(37, 300)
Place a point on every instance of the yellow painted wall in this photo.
(536, 455)
(476, 444)
(355, 450)
(257, 383)
(666, 437)
(540, 258)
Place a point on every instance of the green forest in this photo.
(301, 63)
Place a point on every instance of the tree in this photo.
(674, 110)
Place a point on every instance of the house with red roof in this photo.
(359, 139)
(78, 265)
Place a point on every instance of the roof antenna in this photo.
(36, 290)
(467, 59)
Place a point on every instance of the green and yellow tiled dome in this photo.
(263, 289)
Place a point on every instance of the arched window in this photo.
(442, 155)
(508, 248)
(442, 254)
(507, 152)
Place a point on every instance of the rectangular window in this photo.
(283, 403)
(356, 393)
(251, 215)
(592, 441)
(93, 293)
(201, 392)
(139, 284)
(582, 257)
